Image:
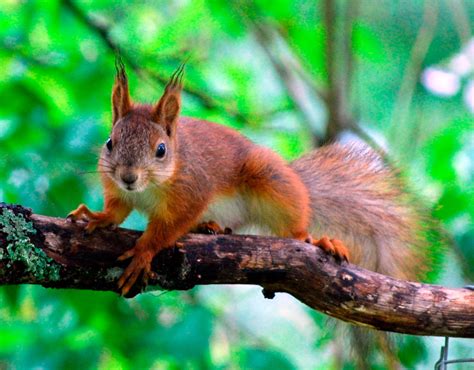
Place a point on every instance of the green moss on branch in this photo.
(19, 247)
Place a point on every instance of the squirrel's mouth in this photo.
(132, 188)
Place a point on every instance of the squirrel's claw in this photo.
(72, 217)
(80, 213)
(128, 254)
(94, 219)
(139, 266)
(98, 223)
(210, 227)
(333, 246)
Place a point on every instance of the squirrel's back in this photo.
(217, 149)
(358, 198)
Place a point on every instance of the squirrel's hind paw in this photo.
(210, 227)
(333, 246)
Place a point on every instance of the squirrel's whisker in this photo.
(106, 164)
(107, 161)
(89, 172)
(108, 167)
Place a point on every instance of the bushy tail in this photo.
(360, 200)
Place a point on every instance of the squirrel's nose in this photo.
(129, 178)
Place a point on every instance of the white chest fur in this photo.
(228, 211)
(145, 201)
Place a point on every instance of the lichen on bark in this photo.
(19, 248)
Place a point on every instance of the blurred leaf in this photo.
(189, 338)
(259, 359)
(411, 351)
(12, 294)
(367, 44)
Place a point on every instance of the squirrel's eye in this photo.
(108, 144)
(161, 150)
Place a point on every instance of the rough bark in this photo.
(341, 290)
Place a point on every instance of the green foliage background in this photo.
(55, 80)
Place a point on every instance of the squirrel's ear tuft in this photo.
(121, 102)
(166, 111)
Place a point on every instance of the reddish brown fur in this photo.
(349, 194)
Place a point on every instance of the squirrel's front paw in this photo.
(99, 223)
(139, 266)
(333, 246)
(94, 219)
(80, 213)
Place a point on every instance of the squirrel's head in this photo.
(141, 149)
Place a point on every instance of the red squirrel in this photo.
(188, 174)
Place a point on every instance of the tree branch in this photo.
(339, 68)
(461, 20)
(291, 81)
(413, 69)
(343, 291)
